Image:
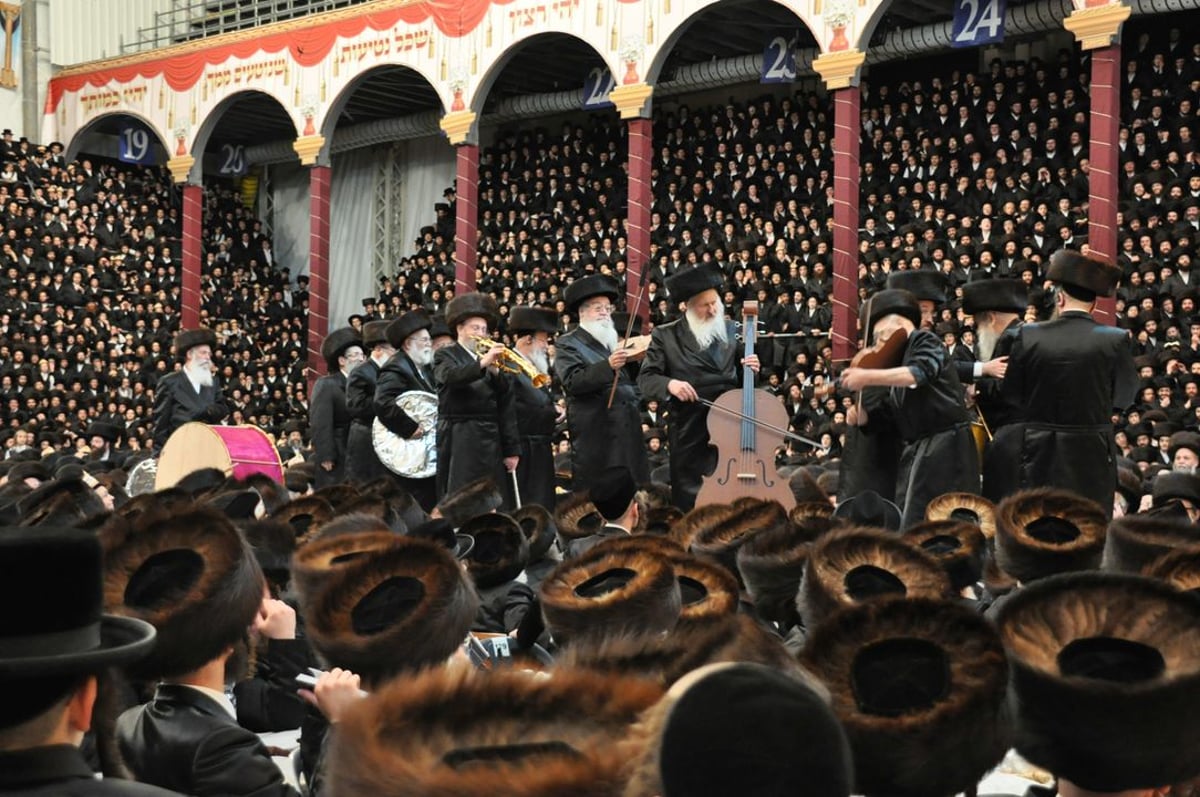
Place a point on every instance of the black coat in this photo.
(871, 454)
(939, 452)
(398, 376)
(675, 354)
(477, 422)
(1066, 377)
(536, 416)
(185, 740)
(989, 391)
(329, 424)
(60, 771)
(268, 701)
(362, 465)
(600, 437)
(176, 402)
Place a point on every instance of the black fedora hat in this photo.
(688, 282)
(869, 508)
(925, 285)
(336, 343)
(525, 320)
(581, 290)
(995, 295)
(406, 325)
(893, 302)
(54, 576)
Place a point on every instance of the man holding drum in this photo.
(191, 393)
(406, 370)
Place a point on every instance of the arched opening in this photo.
(121, 136)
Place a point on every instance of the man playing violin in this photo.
(691, 360)
(927, 401)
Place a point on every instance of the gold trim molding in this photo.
(633, 101)
(1098, 27)
(459, 127)
(180, 167)
(839, 70)
(308, 148)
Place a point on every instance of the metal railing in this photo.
(189, 20)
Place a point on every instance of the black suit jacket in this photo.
(60, 771)
(176, 402)
(329, 421)
(185, 740)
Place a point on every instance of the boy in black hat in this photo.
(328, 416)
(50, 654)
(1066, 376)
(939, 453)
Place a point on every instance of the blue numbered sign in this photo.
(978, 22)
(135, 146)
(596, 88)
(779, 61)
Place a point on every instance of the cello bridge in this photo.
(747, 477)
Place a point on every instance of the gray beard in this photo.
(539, 360)
(202, 376)
(708, 332)
(421, 357)
(603, 331)
(987, 341)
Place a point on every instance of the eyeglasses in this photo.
(604, 309)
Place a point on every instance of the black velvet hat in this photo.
(1081, 271)
(893, 302)
(524, 320)
(995, 295)
(613, 492)
(188, 339)
(1106, 680)
(400, 329)
(581, 290)
(926, 285)
(687, 282)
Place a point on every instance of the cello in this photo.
(747, 427)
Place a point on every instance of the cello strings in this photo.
(762, 424)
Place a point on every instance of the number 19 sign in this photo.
(978, 22)
(136, 146)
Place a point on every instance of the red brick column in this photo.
(846, 104)
(318, 268)
(1102, 148)
(466, 222)
(192, 255)
(641, 151)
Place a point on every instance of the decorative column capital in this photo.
(632, 101)
(459, 127)
(1098, 26)
(309, 148)
(839, 70)
(180, 167)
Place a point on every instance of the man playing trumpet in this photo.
(477, 418)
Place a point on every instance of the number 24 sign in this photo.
(978, 22)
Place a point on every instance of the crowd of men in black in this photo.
(963, 173)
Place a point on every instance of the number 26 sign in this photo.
(978, 22)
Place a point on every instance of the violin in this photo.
(746, 425)
(878, 356)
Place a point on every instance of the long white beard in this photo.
(202, 375)
(987, 341)
(707, 332)
(540, 361)
(602, 330)
(421, 357)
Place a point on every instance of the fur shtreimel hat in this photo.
(402, 328)
(474, 498)
(858, 565)
(700, 519)
(1136, 541)
(537, 524)
(1080, 271)
(374, 333)
(959, 546)
(316, 561)
(965, 507)
(1106, 679)
(778, 731)
(305, 515)
(398, 610)
(188, 339)
(722, 540)
(501, 550)
(893, 302)
(455, 731)
(1180, 569)
(191, 575)
(920, 687)
(336, 343)
(665, 658)
(687, 282)
(472, 305)
(924, 284)
(577, 517)
(1043, 531)
(606, 591)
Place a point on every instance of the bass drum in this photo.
(236, 451)
(412, 459)
(141, 478)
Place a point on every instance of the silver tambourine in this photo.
(141, 477)
(413, 459)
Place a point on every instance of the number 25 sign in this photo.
(978, 22)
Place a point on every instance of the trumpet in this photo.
(512, 361)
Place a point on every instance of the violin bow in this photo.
(866, 342)
(637, 302)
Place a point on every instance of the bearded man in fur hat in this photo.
(693, 358)
(192, 393)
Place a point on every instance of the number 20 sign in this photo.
(978, 22)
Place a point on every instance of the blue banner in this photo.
(136, 146)
(596, 88)
(779, 61)
(978, 22)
